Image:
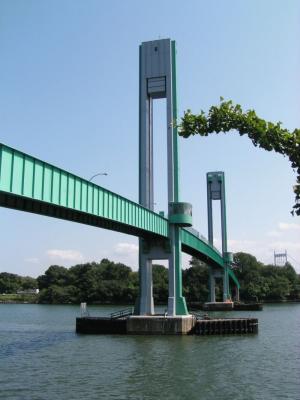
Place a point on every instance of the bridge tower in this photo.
(216, 191)
(158, 80)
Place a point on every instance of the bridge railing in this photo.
(192, 242)
(201, 237)
(122, 313)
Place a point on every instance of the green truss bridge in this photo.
(29, 184)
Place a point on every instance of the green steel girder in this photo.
(195, 246)
(29, 184)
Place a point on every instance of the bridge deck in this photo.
(29, 184)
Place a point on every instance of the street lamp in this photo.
(99, 173)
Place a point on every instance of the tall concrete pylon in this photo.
(157, 81)
(216, 191)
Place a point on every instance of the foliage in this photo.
(266, 282)
(19, 298)
(258, 282)
(11, 283)
(104, 282)
(160, 284)
(267, 135)
(195, 282)
(115, 283)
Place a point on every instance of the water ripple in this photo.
(43, 359)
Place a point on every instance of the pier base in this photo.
(248, 307)
(101, 325)
(233, 326)
(160, 325)
(218, 306)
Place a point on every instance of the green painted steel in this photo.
(174, 125)
(181, 220)
(180, 213)
(181, 308)
(233, 277)
(224, 227)
(24, 176)
(192, 244)
(195, 246)
(29, 184)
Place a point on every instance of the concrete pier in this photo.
(102, 325)
(161, 325)
(218, 306)
(248, 307)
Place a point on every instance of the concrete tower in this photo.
(216, 191)
(158, 80)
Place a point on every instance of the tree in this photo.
(115, 283)
(104, 282)
(265, 282)
(267, 135)
(54, 275)
(195, 281)
(11, 283)
(28, 283)
(160, 283)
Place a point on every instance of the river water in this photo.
(43, 358)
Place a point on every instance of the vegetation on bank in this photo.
(266, 282)
(12, 283)
(19, 298)
(115, 283)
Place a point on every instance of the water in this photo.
(42, 358)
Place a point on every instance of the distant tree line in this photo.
(104, 282)
(12, 283)
(266, 282)
(107, 282)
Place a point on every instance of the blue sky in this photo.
(69, 96)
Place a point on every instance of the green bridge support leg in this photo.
(226, 286)
(212, 286)
(181, 308)
(176, 302)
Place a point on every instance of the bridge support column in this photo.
(212, 286)
(237, 293)
(146, 306)
(158, 81)
(176, 302)
(216, 191)
(226, 290)
(228, 258)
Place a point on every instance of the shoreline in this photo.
(192, 305)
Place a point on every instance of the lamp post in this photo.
(99, 173)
